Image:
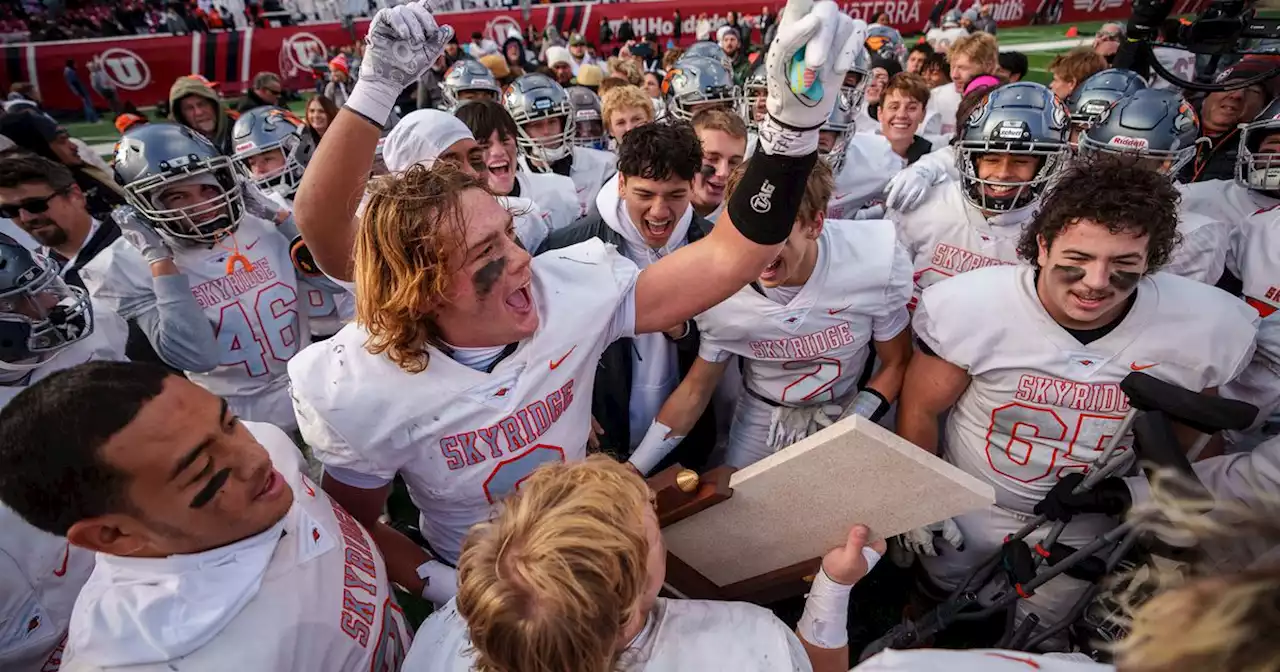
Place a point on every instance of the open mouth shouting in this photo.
(773, 273)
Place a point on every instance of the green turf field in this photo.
(104, 132)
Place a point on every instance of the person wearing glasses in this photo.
(267, 90)
(1106, 42)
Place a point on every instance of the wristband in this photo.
(653, 447)
(825, 622)
(441, 581)
(780, 139)
(372, 102)
(869, 404)
(764, 205)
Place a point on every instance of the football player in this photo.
(588, 121)
(214, 550)
(552, 195)
(566, 577)
(1159, 129)
(724, 147)
(804, 330)
(1029, 358)
(1097, 94)
(273, 146)
(468, 347)
(969, 56)
(46, 326)
(212, 286)
(1012, 146)
(546, 128)
(698, 83)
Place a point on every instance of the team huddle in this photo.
(516, 308)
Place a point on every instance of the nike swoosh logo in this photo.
(556, 364)
(250, 245)
(62, 571)
(841, 310)
(1136, 367)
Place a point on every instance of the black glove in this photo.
(1110, 497)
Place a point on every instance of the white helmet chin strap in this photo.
(11, 371)
(1265, 179)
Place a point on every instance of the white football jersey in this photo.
(40, 577)
(1180, 62)
(812, 350)
(948, 236)
(1202, 253)
(106, 343)
(256, 315)
(869, 162)
(941, 39)
(591, 169)
(940, 113)
(327, 310)
(692, 635)
(1259, 383)
(462, 439)
(1040, 404)
(324, 603)
(555, 196)
(1256, 254)
(1228, 202)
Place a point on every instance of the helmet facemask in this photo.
(41, 317)
(1052, 157)
(283, 180)
(1256, 169)
(202, 223)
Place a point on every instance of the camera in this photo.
(1224, 28)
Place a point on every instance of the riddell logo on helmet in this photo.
(1127, 142)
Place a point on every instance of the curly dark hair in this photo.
(660, 151)
(1113, 191)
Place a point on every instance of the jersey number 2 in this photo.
(1025, 442)
(276, 309)
(817, 384)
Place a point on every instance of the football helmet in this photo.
(1256, 169)
(837, 130)
(532, 98)
(755, 90)
(1099, 92)
(264, 129)
(1155, 124)
(1019, 118)
(40, 314)
(588, 122)
(854, 88)
(698, 81)
(468, 75)
(151, 158)
(886, 42)
(709, 50)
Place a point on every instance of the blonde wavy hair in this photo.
(1218, 614)
(410, 241)
(550, 583)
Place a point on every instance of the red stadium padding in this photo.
(144, 67)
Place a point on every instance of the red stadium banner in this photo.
(144, 67)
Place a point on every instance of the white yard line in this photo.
(1046, 46)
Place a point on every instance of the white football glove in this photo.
(139, 232)
(402, 44)
(788, 425)
(908, 189)
(920, 540)
(830, 40)
(259, 204)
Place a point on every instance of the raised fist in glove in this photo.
(920, 540)
(402, 44)
(141, 234)
(790, 424)
(1110, 496)
(814, 47)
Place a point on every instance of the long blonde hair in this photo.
(1209, 616)
(551, 582)
(410, 241)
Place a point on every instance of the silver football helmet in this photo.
(854, 88)
(1256, 168)
(886, 42)
(531, 99)
(833, 137)
(1099, 92)
(467, 79)
(150, 159)
(711, 50)
(267, 129)
(588, 121)
(1019, 118)
(755, 91)
(695, 83)
(1154, 124)
(40, 314)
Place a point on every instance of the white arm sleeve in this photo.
(1242, 476)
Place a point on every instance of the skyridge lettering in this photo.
(228, 287)
(357, 614)
(1097, 397)
(520, 429)
(961, 260)
(803, 347)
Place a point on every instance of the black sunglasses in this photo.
(34, 206)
